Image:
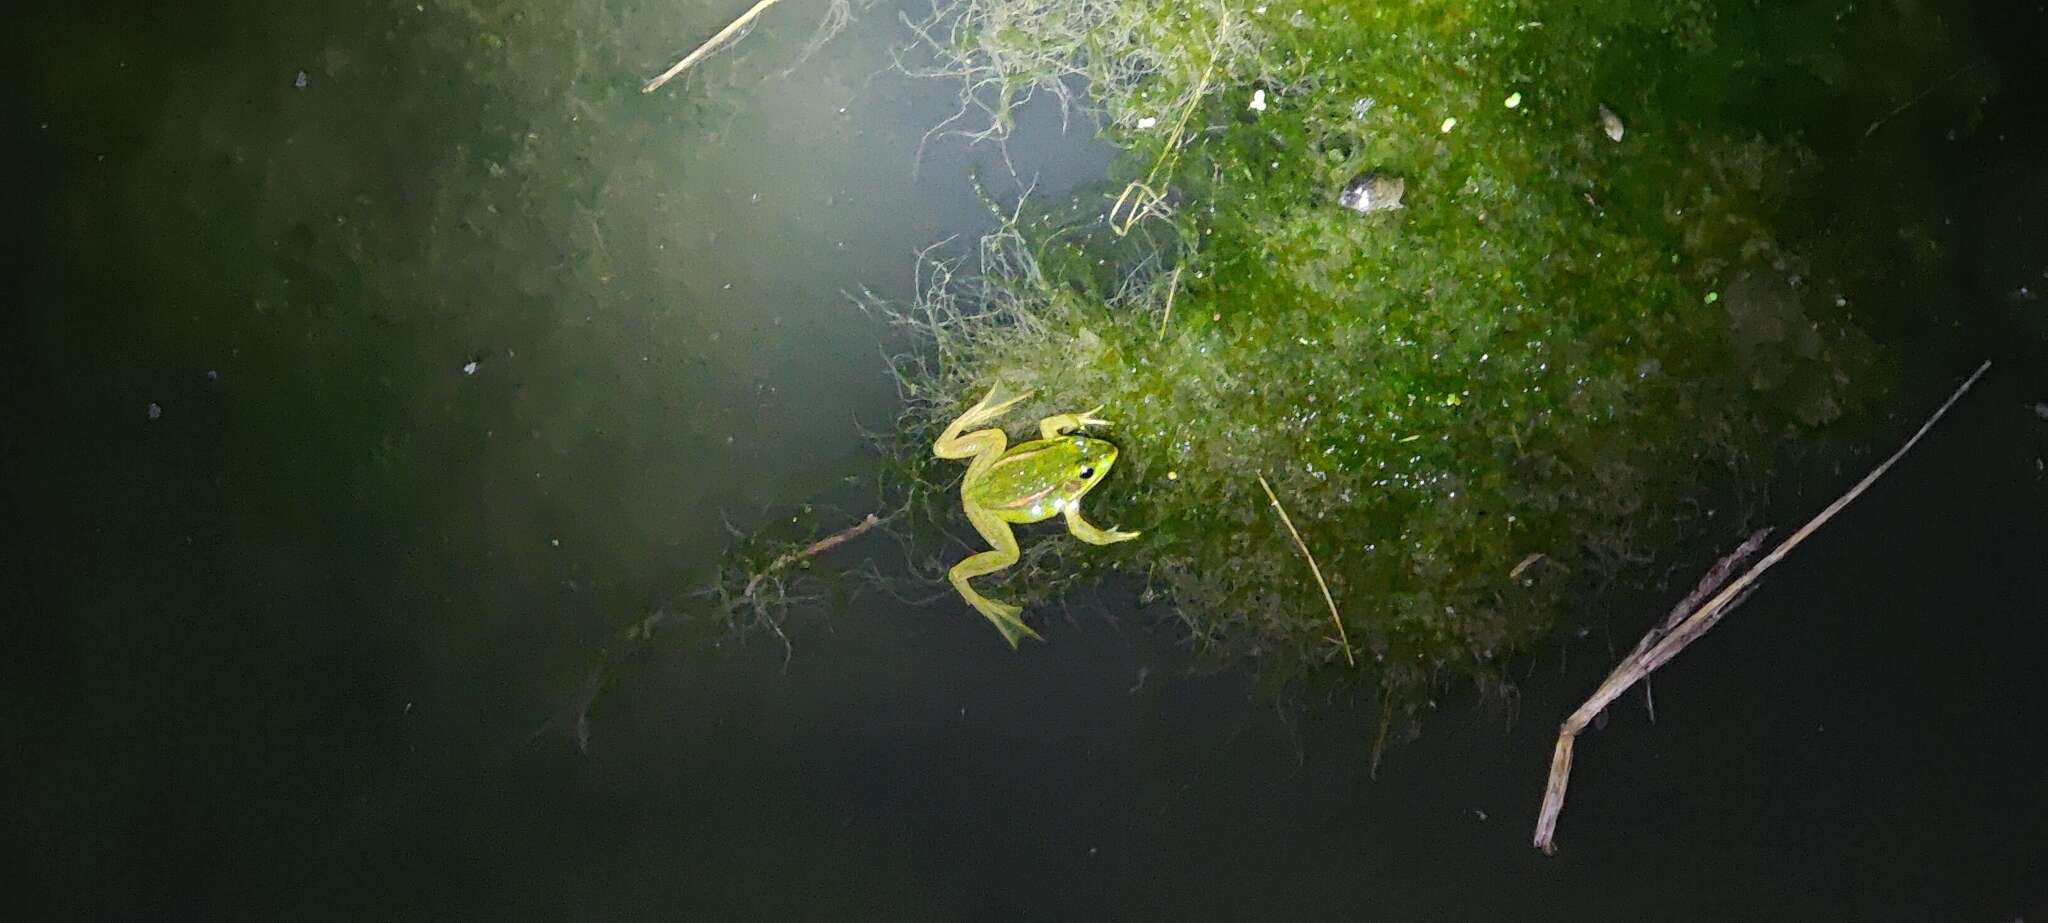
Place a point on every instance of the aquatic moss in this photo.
(1519, 377)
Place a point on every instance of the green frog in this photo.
(1031, 482)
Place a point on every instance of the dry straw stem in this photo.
(1172, 289)
(1649, 657)
(1717, 577)
(709, 45)
(1140, 196)
(1341, 638)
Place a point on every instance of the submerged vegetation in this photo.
(1590, 308)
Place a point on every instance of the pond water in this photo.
(383, 362)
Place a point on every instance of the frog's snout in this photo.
(1096, 456)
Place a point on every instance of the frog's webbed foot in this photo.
(988, 408)
(1007, 619)
(987, 443)
(1004, 616)
(1093, 534)
(1059, 425)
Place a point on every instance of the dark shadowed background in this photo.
(294, 582)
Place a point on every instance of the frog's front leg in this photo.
(1059, 425)
(1090, 533)
(1003, 615)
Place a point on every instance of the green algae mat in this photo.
(1414, 322)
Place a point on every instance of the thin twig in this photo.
(1646, 659)
(709, 44)
(1341, 638)
(1172, 289)
(1379, 738)
(812, 550)
(1908, 104)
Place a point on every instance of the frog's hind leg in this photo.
(951, 444)
(988, 408)
(1003, 554)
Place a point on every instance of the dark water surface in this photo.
(293, 585)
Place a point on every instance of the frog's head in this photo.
(1088, 463)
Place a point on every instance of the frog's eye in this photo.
(1087, 472)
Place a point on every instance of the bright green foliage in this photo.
(1556, 342)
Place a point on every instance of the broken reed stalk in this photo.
(1648, 658)
(1716, 576)
(708, 46)
(812, 550)
(1341, 638)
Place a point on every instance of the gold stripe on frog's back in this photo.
(1031, 499)
(1021, 460)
